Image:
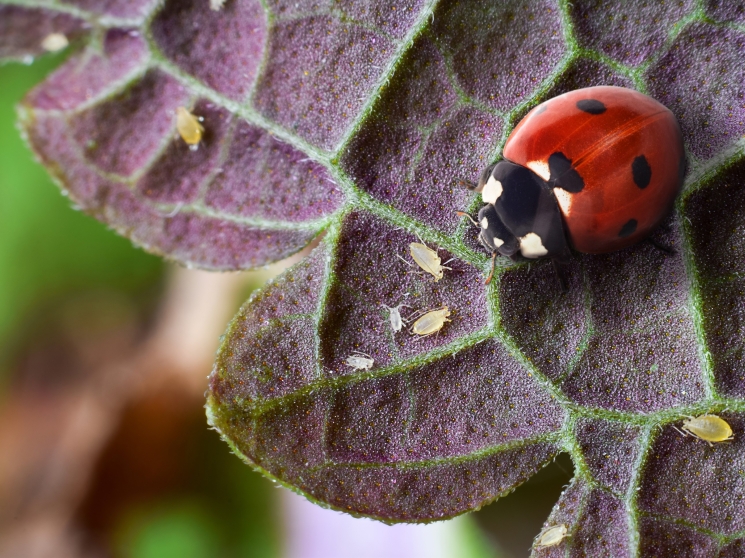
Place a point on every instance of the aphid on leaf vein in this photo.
(359, 361)
(427, 259)
(54, 42)
(551, 536)
(394, 315)
(189, 127)
(709, 428)
(431, 322)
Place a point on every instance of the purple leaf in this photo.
(596, 522)
(421, 140)
(718, 243)
(128, 10)
(23, 30)
(185, 31)
(701, 80)
(664, 538)
(359, 119)
(628, 32)
(687, 480)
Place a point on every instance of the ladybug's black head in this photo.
(494, 236)
(521, 215)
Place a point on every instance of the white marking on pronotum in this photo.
(551, 536)
(431, 322)
(484, 223)
(492, 190)
(709, 428)
(359, 361)
(497, 241)
(54, 42)
(540, 168)
(564, 199)
(531, 246)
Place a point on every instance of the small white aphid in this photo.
(54, 42)
(427, 259)
(188, 126)
(551, 536)
(709, 428)
(216, 5)
(431, 322)
(394, 315)
(359, 361)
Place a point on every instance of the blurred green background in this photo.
(52, 257)
(47, 250)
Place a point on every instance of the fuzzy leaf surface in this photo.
(357, 119)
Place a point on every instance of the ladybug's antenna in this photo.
(463, 214)
(470, 185)
(669, 250)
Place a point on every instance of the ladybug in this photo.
(596, 169)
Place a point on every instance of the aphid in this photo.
(551, 536)
(54, 42)
(394, 315)
(431, 322)
(427, 259)
(359, 361)
(188, 126)
(216, 5)
(709, 428)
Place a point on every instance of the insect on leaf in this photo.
(360, 122)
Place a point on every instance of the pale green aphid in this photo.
(709, 428)
(551, 536)
(188, 126)
(427, 259)
(431, 322)
(394, 315)
(359, 361)
(54, 42)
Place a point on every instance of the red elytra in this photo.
(626, 147)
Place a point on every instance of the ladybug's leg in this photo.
(661, 247)
(561, 273)
(468, 184)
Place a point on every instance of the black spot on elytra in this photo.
(591, 106)
(628, 229)
(563, 175)
(642, 171)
